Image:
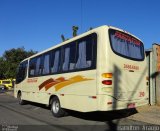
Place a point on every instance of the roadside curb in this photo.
(148, 114)
(10, 93)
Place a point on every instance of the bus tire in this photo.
(20, 100)
(56, 109)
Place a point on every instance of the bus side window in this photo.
(52, 61)
(72, 57)
(65, 65)
(37, 70)
(84, 55)
(22, 72)
(41, 66)
(89, 51)
(55, 61)
(69, 60)
(32, 67)
(46, 64)
(81, 62)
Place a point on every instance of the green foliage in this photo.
(90, 28)
(10, 60)
(75, 29)
(63, 38)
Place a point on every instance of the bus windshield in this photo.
(126, 45)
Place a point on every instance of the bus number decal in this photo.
(141, 94)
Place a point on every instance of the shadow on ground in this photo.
(111, 119)
(103, 116)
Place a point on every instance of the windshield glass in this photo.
(126, 45)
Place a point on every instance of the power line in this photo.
(82, 15)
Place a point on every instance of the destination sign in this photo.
(127, 38)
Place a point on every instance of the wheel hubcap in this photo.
(55, 106)
(20, 98)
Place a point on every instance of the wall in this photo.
(156, 50)
(153, 59)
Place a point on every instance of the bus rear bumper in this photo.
(108, 103)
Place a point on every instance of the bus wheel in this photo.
(21, 102)
(56, 109)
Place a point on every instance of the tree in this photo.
(10, 60)
(63, 38)
(75, 29)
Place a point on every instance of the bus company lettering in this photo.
(131, 67)
(32, 80)
(127, 38)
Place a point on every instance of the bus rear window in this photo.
(126, 45)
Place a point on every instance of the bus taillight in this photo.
(107, 75)
(107, 82)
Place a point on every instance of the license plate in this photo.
(131, 105)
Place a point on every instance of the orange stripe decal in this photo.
(45, 83)
(70, 81)
(50, 85)
(61, 79)
(60, 82)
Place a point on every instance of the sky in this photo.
(38, 24)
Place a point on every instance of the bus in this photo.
(103, 69)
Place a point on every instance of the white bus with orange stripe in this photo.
(103, 69)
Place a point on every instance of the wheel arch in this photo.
(19, 92)
(50, 99)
